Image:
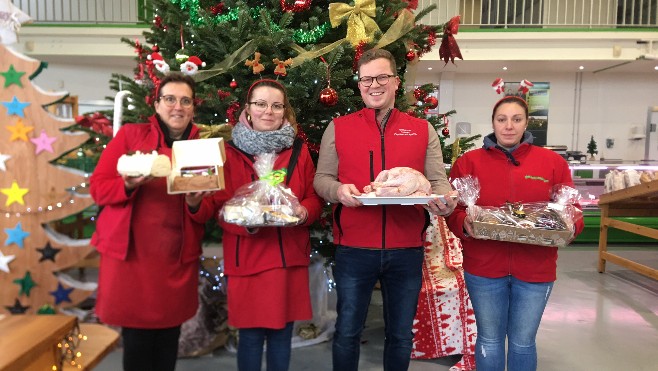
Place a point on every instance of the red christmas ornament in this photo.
(419, 94)
(445, 132)
(328, 97)
(358, 52)
(217, 9)
(432, 102)
(222, 94)
(233, 84)
(411, 55)
(412, 113)
(155, 48)
(431, 41)
(295, 6)
(157, 21)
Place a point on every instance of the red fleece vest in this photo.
(364, 151)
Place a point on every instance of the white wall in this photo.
(610, 105)
(88, 79)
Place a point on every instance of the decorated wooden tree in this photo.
(35, 192)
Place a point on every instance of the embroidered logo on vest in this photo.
(405, 132)
(536, 178)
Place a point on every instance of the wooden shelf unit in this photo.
(641, 201)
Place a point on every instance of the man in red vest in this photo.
(384, 242)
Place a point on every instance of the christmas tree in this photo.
(312, 47)
(35, 192)
(591, 147)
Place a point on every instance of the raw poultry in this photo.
(399, 182)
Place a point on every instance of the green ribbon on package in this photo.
(274, 177)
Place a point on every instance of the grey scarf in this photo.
(256, 142)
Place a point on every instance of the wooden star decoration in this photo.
(48, 252)
(15, 107)
(14, 194)
(12, 77)
(43, 143)
(26, 283)
(19, 131)
(17, 308)
(16, 235)
(61, 294)
(4, 261)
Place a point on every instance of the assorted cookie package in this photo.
(197, 165)
(537, 223)
(267, 202)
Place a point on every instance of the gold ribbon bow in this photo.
(215, 131)
(400, 27)
(360, 25)
(274, 177)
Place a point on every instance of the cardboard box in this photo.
(532, 236)
(197, 165)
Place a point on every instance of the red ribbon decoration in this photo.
(232, 113)
(449, 50)
(412, 4)
(96, 122)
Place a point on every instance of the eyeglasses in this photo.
(261, 106)
(381, 80)
(170, 101)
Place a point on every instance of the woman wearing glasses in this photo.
(267, 268)
(149, 245)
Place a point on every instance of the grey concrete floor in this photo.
(593, 321)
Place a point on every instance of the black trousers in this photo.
(150, 349)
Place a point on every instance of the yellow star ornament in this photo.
(19, 131)
(14, 194)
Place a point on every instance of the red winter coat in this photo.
(267, 271)
(149, 245)
(539, 169)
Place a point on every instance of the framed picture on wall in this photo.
(537, 97)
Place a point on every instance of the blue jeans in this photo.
(507, 307)
(356, 272)
(250, 348)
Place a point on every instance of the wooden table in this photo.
(639, 200)
(29, 342)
